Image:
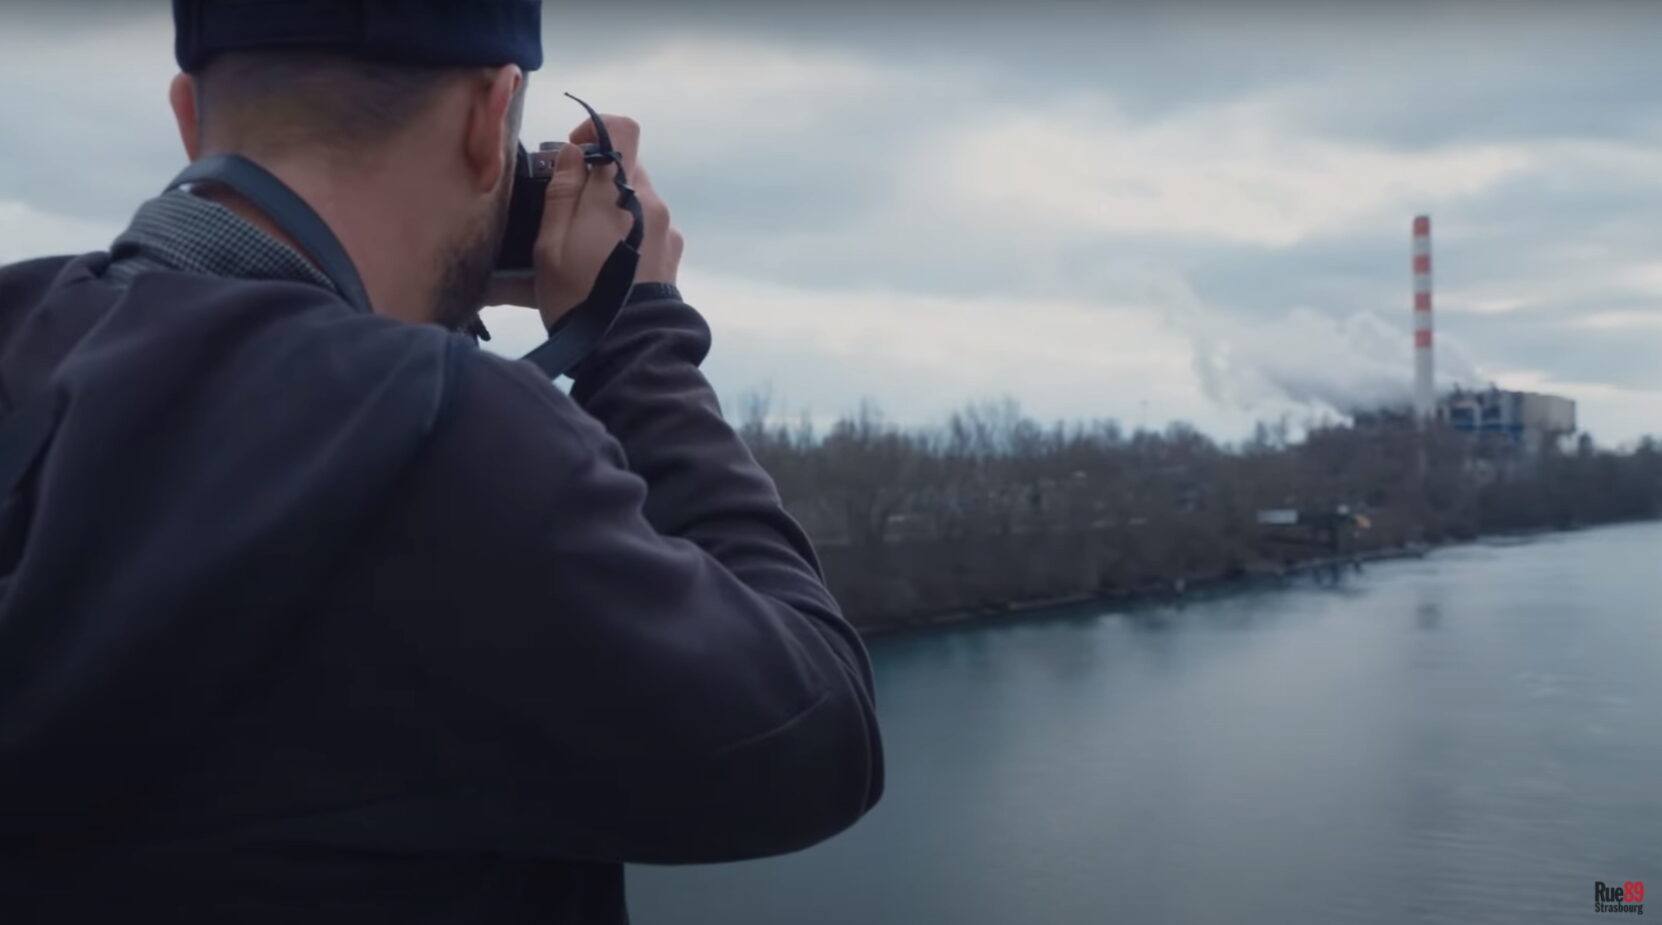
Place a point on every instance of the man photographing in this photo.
(310, 610)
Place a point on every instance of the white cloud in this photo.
(1237, 172)
(921, 356)
(29, 232)
(711, 101)
(1477, 304)
(1620, 320)
(1644, 278)
(1562, 278)
(1164, 357)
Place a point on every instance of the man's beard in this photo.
(467, 272)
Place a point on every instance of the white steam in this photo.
(1346, 364)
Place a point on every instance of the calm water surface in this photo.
(1471, 737)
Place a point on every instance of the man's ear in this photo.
(487, 146)
(181, 95)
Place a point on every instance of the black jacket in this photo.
(313, 616)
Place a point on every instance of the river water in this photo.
(1469, 737)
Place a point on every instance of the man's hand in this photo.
(582, 222)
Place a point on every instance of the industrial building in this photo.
(1504, 421)
(1526, 421)
(1523, 423)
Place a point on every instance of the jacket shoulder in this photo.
(24, 284)
(37, 274)
(286, 331)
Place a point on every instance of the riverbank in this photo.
(1181, 591)
(1205, 588)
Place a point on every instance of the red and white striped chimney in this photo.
(1425, 395)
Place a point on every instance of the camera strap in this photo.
(581, 328)
(288, 211)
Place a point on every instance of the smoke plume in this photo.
(1342, 363)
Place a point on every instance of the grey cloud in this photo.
(87, 131)
(1548, 339)
(1400, 58)
(91, 138)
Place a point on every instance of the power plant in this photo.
(1504, 421)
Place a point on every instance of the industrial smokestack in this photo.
(1425, 395)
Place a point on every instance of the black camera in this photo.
(578, 330)
(532, 170)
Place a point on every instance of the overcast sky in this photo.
(1150, 212)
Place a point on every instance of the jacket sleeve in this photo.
(648, 630)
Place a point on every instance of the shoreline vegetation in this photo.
(992, 515)
(1193, 591)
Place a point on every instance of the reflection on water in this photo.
(1429, 613)
(1468, 737)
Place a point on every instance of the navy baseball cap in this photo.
(431, 33)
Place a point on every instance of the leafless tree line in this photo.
(993, 508)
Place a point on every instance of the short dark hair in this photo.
(286, 98)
